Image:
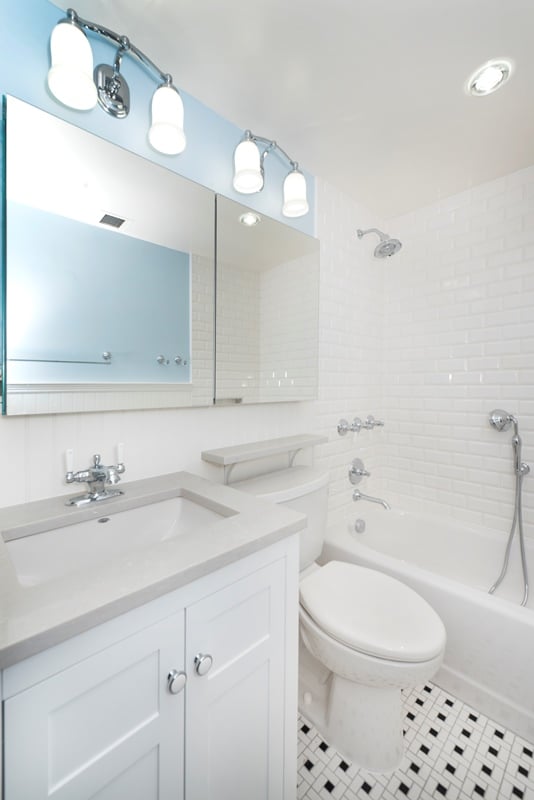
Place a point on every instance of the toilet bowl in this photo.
(376, 636)
(364, 636)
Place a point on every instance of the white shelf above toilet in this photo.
(228, 457)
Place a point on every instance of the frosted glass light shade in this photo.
(70, 77)
(166, 134)
(248, 177)
(295, 201)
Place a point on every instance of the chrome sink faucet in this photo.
(97, 477)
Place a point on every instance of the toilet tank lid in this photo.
(284, 484)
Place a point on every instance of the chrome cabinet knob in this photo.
(176, 681)
(203, 662)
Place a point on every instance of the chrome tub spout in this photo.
(357, 495)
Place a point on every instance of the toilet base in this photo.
(363, 723)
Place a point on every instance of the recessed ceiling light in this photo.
(249, 218)
(489, 77)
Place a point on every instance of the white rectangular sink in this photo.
(50, 554)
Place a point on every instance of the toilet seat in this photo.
(372, 613)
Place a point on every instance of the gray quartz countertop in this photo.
(35, 617)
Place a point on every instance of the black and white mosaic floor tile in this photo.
(452, 753)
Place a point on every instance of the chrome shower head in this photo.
(386, 247)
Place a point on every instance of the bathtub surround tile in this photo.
(452, 751)
(459, 314)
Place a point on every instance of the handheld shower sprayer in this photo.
(501, 421)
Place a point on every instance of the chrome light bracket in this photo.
(113, 91)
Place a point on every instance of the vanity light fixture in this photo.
(71, 80)
(489, 77)
(249, 173)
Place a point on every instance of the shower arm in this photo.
(383, 236)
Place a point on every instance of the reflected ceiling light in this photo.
(249, 173)
(249, 218)
(490, 77)
(72, 81)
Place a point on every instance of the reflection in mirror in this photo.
(109, 274)
(267, 309)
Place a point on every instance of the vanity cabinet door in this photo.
(236, 729)
(106, 728)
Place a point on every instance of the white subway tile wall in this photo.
(350, 345)
(458, 342)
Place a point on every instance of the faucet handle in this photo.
(343, 427)
(357, 471)
(371, 423)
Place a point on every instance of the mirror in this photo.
(110, 284)
(266, 309)
(109, 275)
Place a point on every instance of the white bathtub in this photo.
(489, 659)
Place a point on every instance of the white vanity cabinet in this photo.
(95, 717)
(103, 728)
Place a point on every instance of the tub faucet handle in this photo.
(357, 471)
(371, 423)
(343, 427)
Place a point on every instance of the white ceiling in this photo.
(367, 95)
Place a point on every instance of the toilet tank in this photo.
(303, 489)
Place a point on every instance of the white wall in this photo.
(350, 346)
(459, 342)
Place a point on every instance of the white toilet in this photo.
(364, 635)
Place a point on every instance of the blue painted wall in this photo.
(25, 27)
